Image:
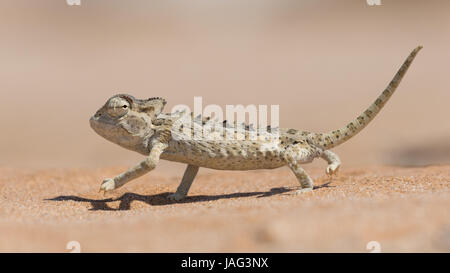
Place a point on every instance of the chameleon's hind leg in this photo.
(186, 182)
(303, 178)
(333, 162)
(294, 161)
(296, 155)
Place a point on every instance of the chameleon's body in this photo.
(140, 126)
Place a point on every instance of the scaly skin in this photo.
(140, 125)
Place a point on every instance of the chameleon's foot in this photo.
(176, 196)
(304, 190)
(332, 169)
(107, 185)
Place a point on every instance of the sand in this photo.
(403, 209)
(323, 62)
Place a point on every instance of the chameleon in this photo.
(140, 125)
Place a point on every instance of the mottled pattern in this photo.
(140, 126)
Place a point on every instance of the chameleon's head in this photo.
(125, 120)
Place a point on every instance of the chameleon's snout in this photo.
(94, 121)
(95, 118)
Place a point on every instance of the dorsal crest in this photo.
(152, 106)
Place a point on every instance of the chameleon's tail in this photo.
(334, 138)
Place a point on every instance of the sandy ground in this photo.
(403, 209)
(323, 62)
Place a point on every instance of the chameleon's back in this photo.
(224, 146)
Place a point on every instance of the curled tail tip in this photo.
(417, 49)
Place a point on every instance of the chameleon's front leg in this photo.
(142, 168)
(186, 182)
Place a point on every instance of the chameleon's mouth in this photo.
(106, 127)
(101, 120)
(100, 125)
(93, 121)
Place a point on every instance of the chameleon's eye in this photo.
(117, 107)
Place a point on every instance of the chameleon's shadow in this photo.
(161, 199)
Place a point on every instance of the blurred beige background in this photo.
(323, 62)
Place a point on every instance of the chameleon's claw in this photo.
(102, 190)
(107, 185)
(332, 169)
